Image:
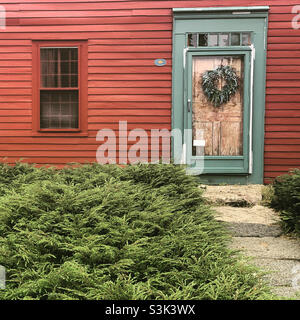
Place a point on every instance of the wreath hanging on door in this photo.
(209, 81)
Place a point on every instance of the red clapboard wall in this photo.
(124, 37)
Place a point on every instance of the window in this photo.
(219, 39)
(60, 77)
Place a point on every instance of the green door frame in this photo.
(249, 167)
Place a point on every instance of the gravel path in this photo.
(256, 231)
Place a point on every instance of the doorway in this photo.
(219, 91)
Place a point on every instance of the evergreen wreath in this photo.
(214, 95)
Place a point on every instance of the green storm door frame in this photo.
(241, 169)
(220, 164)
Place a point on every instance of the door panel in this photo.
(222, 126)
(219, 138)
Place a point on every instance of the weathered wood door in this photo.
(219, 134)
(222, 126)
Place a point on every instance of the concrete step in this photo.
(281, 248)
(256, 214)
(279, 257)
(257, 221)
(253, 229)
(233, 195)
(281, 271)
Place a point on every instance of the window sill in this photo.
(60, 134)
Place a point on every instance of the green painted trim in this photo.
(220, 12)
(220, 9)
(222, 157)
(215, 49)
(263, 82)
(224, 178)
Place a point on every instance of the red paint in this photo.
(120, 81)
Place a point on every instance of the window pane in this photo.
(246, 39)
(213, 40)
(59, 109)
(203, 39)
(59, 67)
(235, 39)
(192, 40)
(224, 40)
(49, 68)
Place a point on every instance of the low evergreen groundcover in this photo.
(106, 232)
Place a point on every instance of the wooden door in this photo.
(220, 127)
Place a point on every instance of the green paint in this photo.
(222, 9)
(223, 169)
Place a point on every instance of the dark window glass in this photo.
(203, 39)
(235, 39)
(192, 40)
(59, 67)
(59, 109)
(59, 70)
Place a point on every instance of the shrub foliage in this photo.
(286, 200)
(105, 232)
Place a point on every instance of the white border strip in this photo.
(251, 109)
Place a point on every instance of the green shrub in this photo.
(105, 232)
(286, 200)
(267, 194)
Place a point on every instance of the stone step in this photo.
(282, 272)
(279, 257)
(233, 195)
(281, 248)
(257, 214)
(253, 229)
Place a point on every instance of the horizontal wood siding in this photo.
(282, 121)
(124, 38)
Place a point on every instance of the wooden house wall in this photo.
(124, 38)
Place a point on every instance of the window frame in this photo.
(82, 88)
